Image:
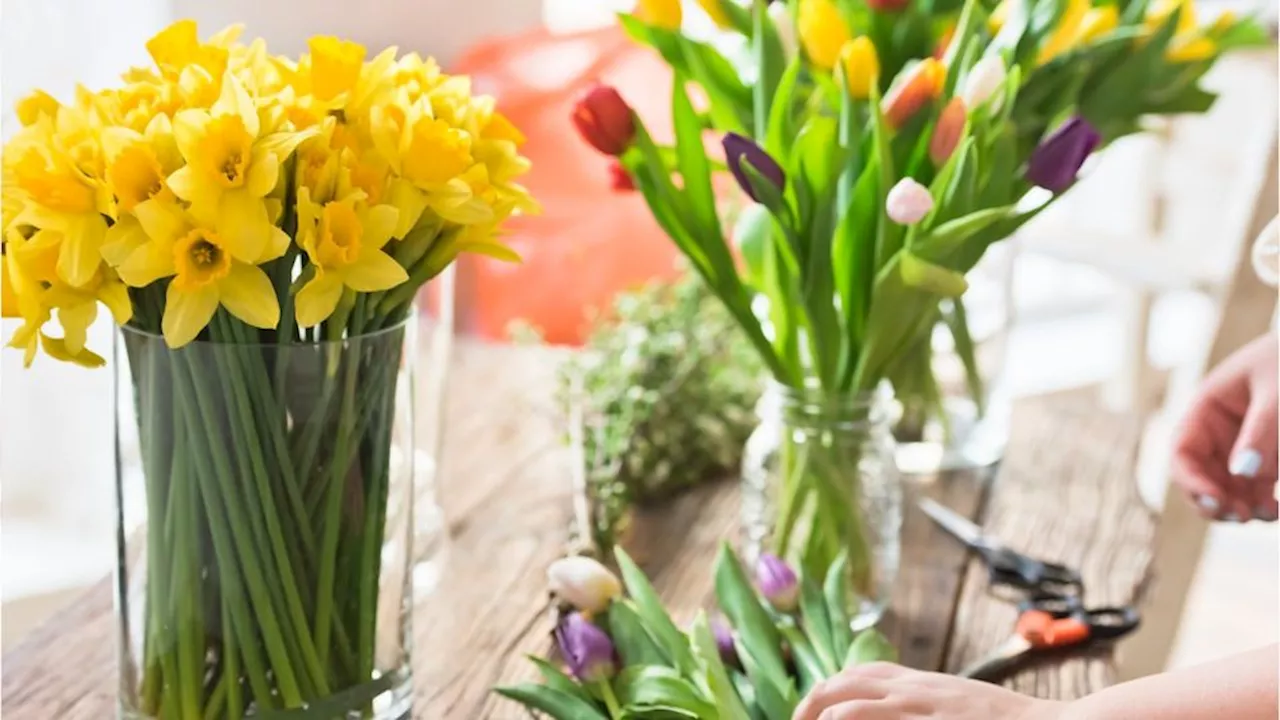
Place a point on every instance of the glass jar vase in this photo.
(265, 525)
(820, 489)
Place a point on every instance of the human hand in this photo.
(884, 691)
(1225, 455)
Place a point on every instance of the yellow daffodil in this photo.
(335, 66)
(36, 105)
(823, 32)
(666, 14)
(1190, 43)
(138, 163)
(9, 304)
(230, 169)
(344, 240)
(178, 47)
(860, 65)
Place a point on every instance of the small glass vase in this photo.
(265, 525)
(820, 489)
(955, 404)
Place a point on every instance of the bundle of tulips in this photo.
(882, 153)
(258, 226)
(627, 658)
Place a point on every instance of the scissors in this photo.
(1005, 566)
(1053, 622)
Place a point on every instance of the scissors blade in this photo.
(997, 661)
(956, 524)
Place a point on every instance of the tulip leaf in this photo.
(924, 275)
(1119, 92)
(634, 643)
(853, 255)
(782, 113)
(773, 700)
(1192, 100)
(957, 322)
(555, 679)
(809, 666)
(718, 678)
(758, 637)
(659, 624)
(817, 624)
(870, 646)
(657, 712)
(752, 233)
(660, 686)
(942, 242)
(887, 233)
(558, 704)
(691, 157)
(836, 594)
(964, 37)
(1246, 33)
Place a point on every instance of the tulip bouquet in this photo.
(883, 153)
(258, 226)
(627, 658)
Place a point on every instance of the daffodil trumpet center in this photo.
(340, 236)
(200, 259)
(227, 150)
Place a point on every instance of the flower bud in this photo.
(581, 581)
(586, 649)
(908, 202)
(946, 134)
(738, 149)
(915, 88)
(983, 80)
(605, 120)
(665, 14)
(861, 66)
(724, 643)
(777, 582)
(1055, 163)
(823, 31)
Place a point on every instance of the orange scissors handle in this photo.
(1044, 631)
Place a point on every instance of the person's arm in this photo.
(1241, 687)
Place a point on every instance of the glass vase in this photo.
(821, 490)
(265, 525)
(955, 405)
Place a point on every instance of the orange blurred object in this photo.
(591, 241)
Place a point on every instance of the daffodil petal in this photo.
(277, 244)
(75, 321)
(473, 211)
(264, 172)
(186, 313)
(235, 100)
(495, 250)
(182, 182)
(317, 299)
(81, 251)
(374, 271)
(147, 264)
(282, 144)
(247, 293)
(188, 128)
(122, 239)
(410, 201)
(162, 222)
(243, 225)
(115, 296)
(379, 225)
(57, 349)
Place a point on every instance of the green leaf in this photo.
(870, 646)
(772, 198)
(836, 593)
(657, 712)
(1192, 100)
(768, 693)
(656, 620)
(940, 243)
(752, 233)
(635, 645)
(555, 679)
(854, 257)
(718, 678)
(923, 275)
(887, 234)
(658, 686)
(782, 113)
(1246, 33)
(691, 155)
(757, 634)
(1120, 91)
(809, 666)
(817, 624)
(972, 17)
(559, 705)
(957, 322)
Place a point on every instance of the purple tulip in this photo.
(586, 648)
(777, 582)
(1057, 160)
(724, 642)
(738, 148)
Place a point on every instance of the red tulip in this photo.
(605, 120)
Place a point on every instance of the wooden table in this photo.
(1065, 491)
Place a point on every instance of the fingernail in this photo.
(1207, 503)
(1246, 463)
(1231, 518)
(1264, 514)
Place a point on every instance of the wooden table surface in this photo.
(1064, 492)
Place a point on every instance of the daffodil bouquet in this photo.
(883, 153)
(258, 226)
(780, 634)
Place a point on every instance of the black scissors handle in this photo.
(1007, 567)
(1105, 623)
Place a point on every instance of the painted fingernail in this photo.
(1246, 463)
(1264, 514)
(1207, 503)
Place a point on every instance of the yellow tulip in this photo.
(999, 16)
(715, 10)
(344, 240)
(1189, 43)
(861, 66)
(1066, 35)
(662, 13)
(823, 32)
(230, 169)
(1098, 22)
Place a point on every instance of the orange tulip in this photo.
(916, 87)
(946, 134)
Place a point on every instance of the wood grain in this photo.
(1066, 493)
(505, 486)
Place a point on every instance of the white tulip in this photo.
(984, 79)
(780, 13)
(583, 583)
(908, 202)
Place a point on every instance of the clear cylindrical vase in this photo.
(821, 490)
(265, 525)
